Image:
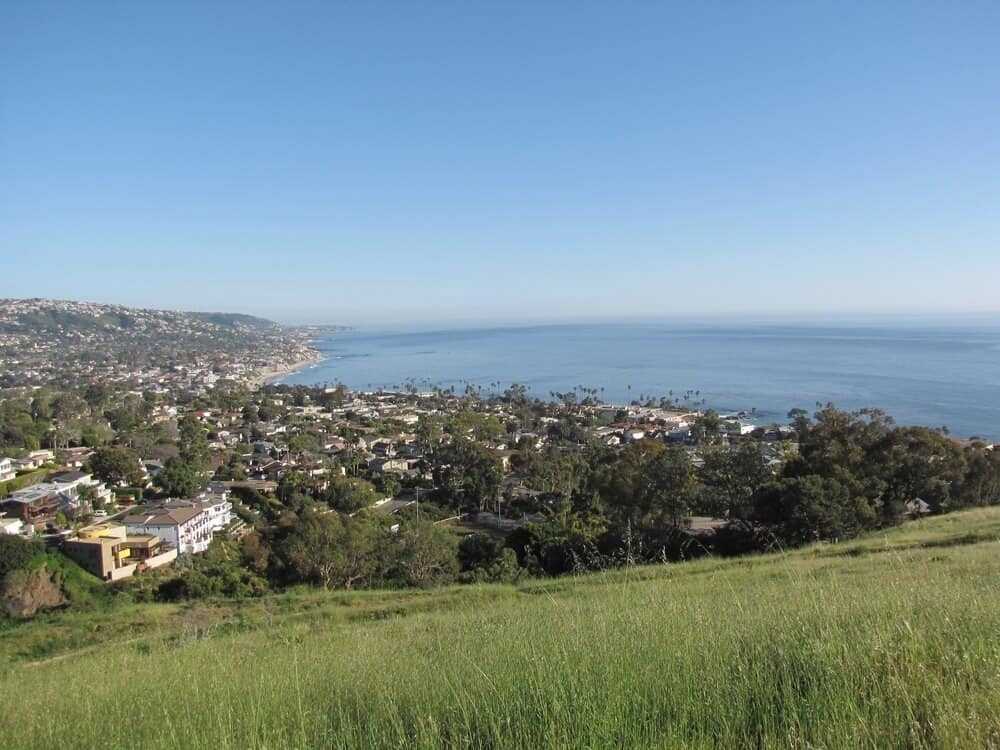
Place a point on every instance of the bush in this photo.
(16, 553)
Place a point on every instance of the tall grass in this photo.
(892, 642)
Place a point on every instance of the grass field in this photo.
(889, 641)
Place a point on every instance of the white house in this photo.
(11, 526)
(188, 525)
(217, 508)
(6, 469)
(70, 483)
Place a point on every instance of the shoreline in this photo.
(273, 375)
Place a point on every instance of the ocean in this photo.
(934, 375)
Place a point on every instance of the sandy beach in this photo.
(267, 377)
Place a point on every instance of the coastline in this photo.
(274, 375)
(916, 375)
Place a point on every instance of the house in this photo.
(72, 481)
(217, 507)
(11, 526)
(258, 485)
(111, 553)
(77, 457)
(334, 445)
(273, 470)
(383, 448)
(187, 525)
(36, 504)
(390, 465)
(264, 448)
(739, 427)
(504, 456)
(679, 435)
(7, 470)
(35, 460)
(42, 457)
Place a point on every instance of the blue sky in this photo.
(384, 162)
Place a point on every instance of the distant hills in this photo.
(61, 342)
(20, 316)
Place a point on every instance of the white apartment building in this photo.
(187, 525)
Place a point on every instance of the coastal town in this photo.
(500, 376)
(164, 466)
(170, 354)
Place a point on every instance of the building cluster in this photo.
(133, 539)
(69, 344)
(149, 537)
(36, 507)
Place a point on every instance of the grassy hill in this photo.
(889, 641)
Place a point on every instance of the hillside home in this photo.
(36, 504)
(77, 457)
(187, 525)
(72, 482)
(7, 471)
(111, 553)
(42, 457)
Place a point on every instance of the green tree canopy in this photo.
(117, 465)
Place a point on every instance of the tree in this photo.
(117, 465)
(256, 553)
(330, 550)
(645, 481)
(349, 495)
(96, 395)
(555, 470)
(479, 551)
(193, 443)
(16, 553)
(467, 474)
(707, 428)
(919, 463)
(428, 432)
(178, 478)
(812, 508)
(669, 484)
(426, 556)
(981, 484)
(731, 477)
(131, 414)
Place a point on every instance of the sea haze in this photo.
(939, 375)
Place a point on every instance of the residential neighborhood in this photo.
(222, 484)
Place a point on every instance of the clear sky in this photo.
(375, 161)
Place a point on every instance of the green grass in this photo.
(889, 641)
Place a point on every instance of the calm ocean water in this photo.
(932, 375)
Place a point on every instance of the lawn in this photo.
(888, 641)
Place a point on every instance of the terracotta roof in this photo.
(162, 516)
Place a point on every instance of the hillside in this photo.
(59, 342)
(69, 319)
(891, 640)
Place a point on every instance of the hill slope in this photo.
(892, 640)
(62, 342)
